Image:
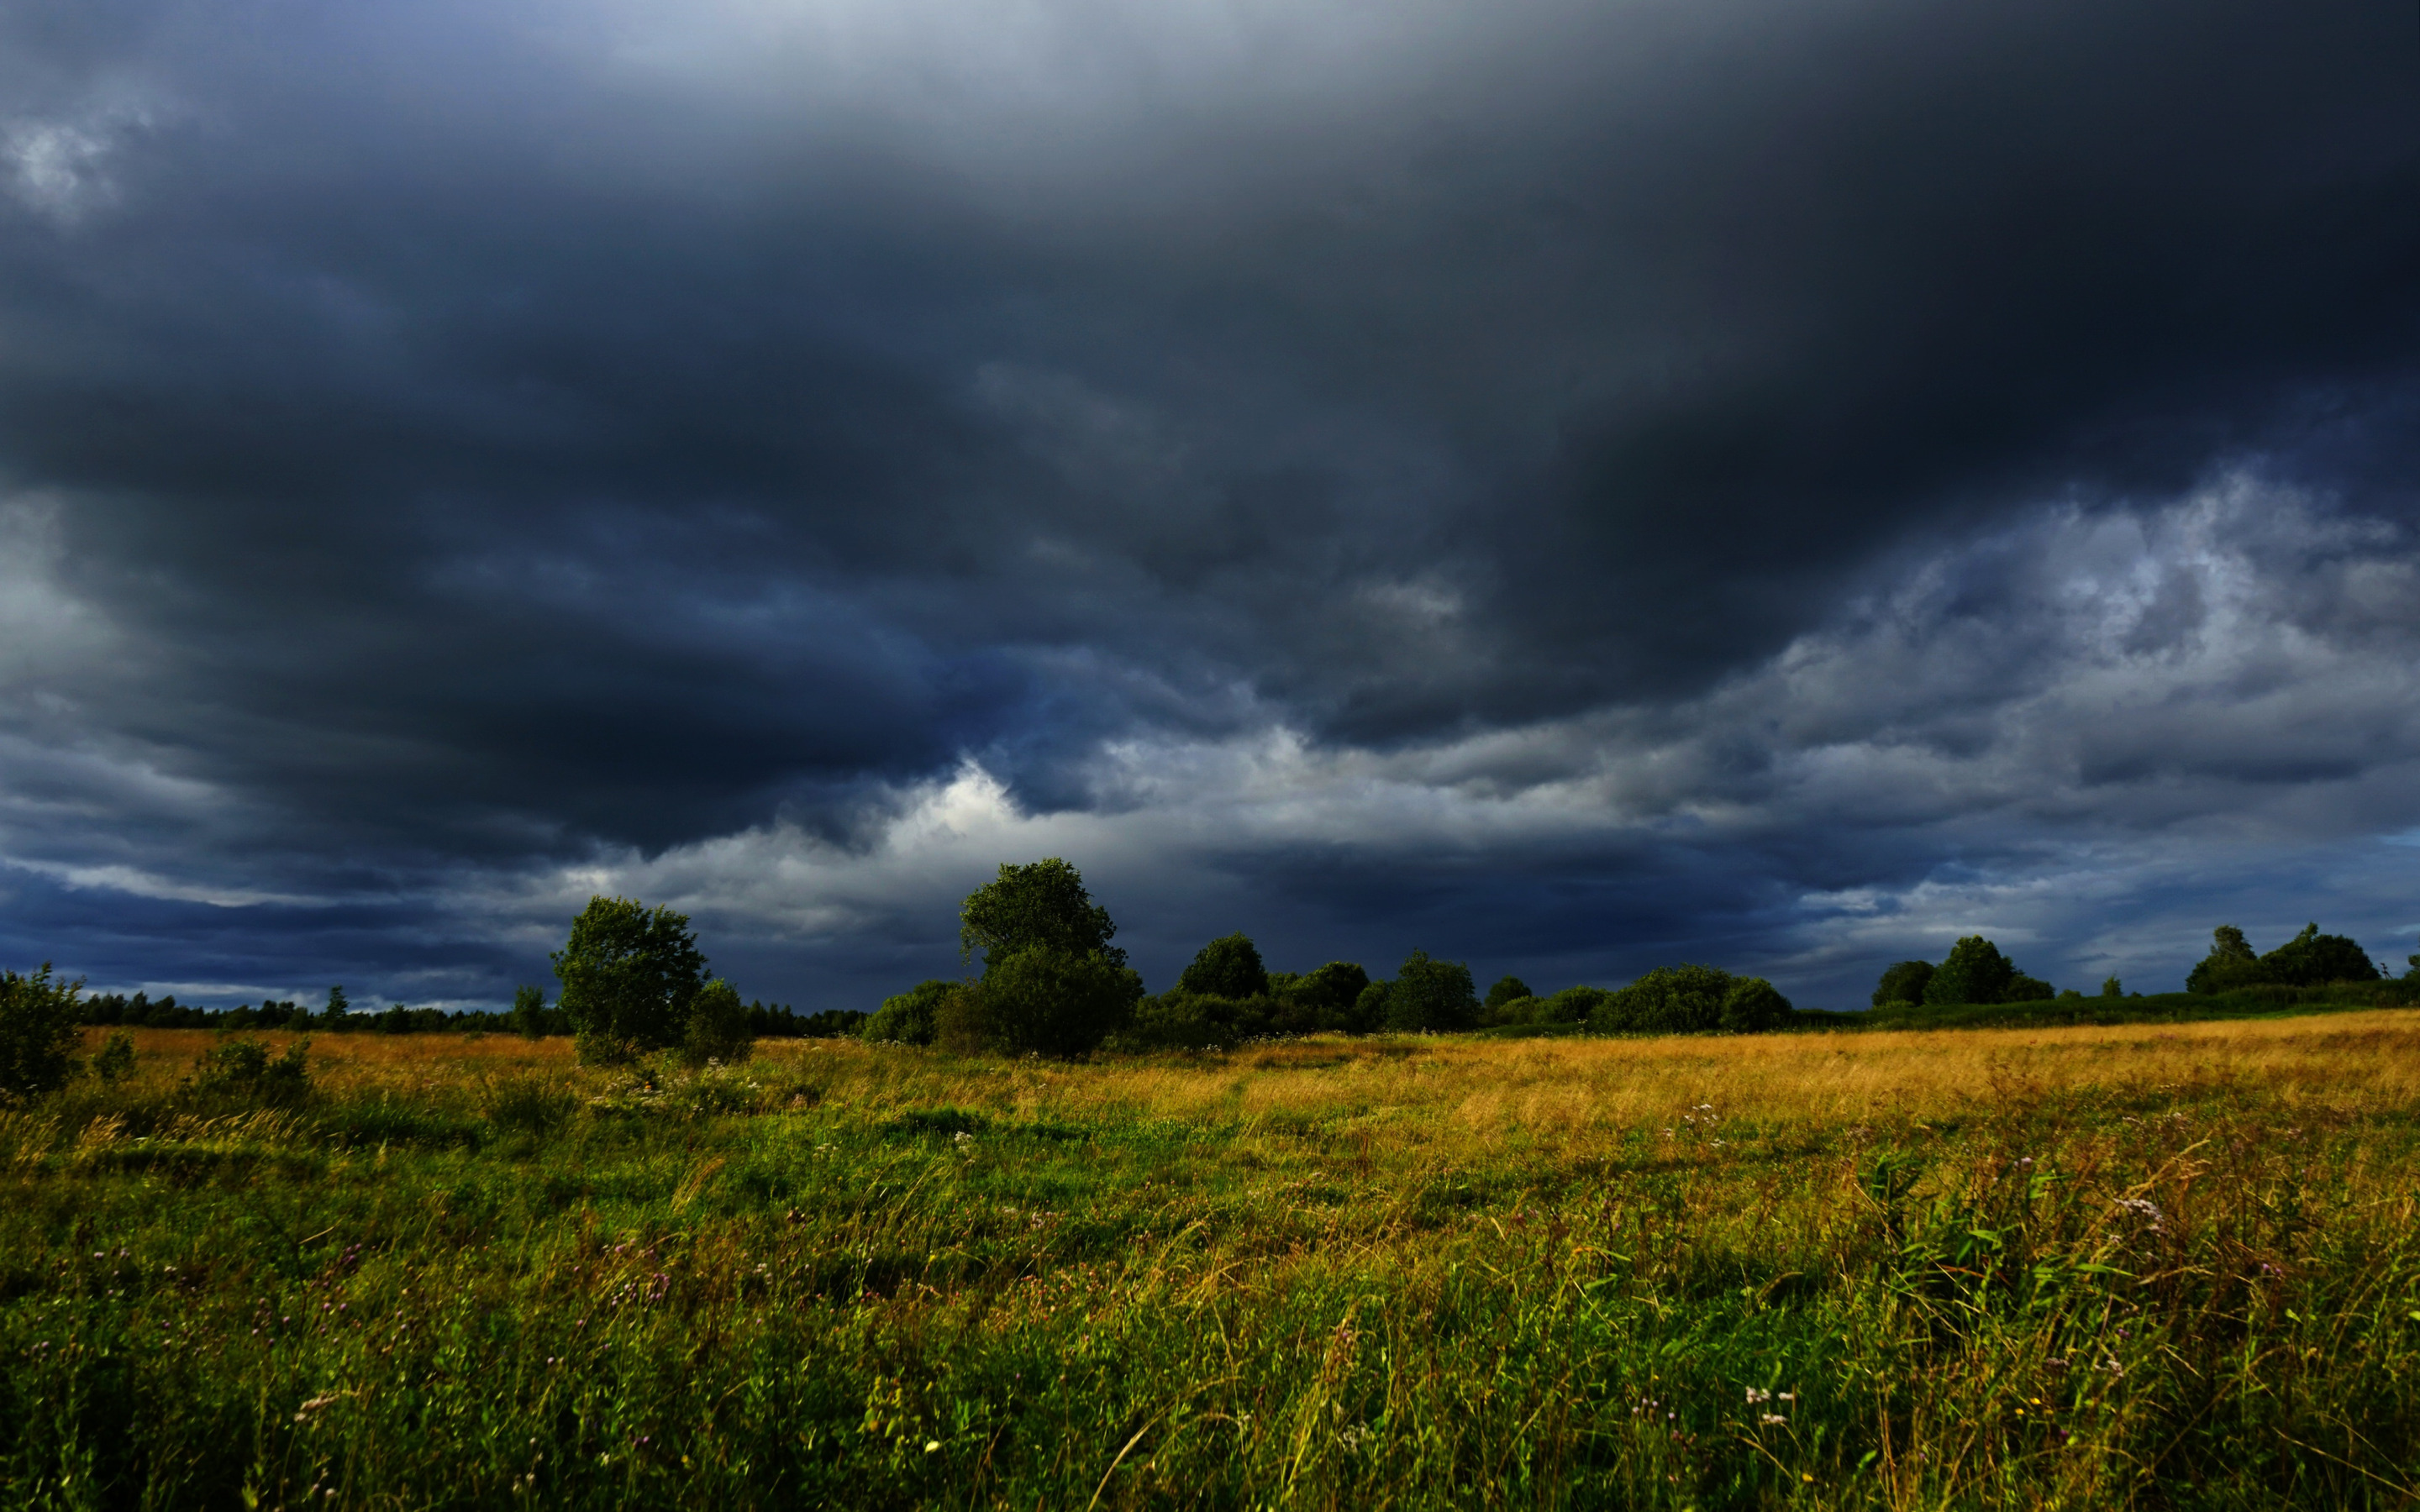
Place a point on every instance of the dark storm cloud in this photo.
(453, 447)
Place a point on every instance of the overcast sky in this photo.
(1569, 486)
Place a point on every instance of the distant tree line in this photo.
(1976, 973)
(530, 1015)
(633, 983)
(1051, 983)
(2309, 959)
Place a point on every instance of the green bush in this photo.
(1229, 966)
(1689, 999)
(1573, 1005)
(38, 1017)
(2309, 959)
(1330, 997)
(718, 1027)
(1753, 1006)
(1370, 1007)
(245, 1068)
(908, 1018)
(1429, 995)
(962, 1021)
(2312, 959)
(529, 1012)
(1904, 983)
(115, 1062)
(527, 1104)
(1523, 1009)
(1043, 1000)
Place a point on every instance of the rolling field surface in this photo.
(2090, 1267)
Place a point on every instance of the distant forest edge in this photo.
(1051, 983)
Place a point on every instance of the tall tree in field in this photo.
(630, 975)
(1043, 903)
(1052, 983)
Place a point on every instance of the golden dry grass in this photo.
(2346, 1063)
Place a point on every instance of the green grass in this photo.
(1386, 1273)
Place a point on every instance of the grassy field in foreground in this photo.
(2077, 1266)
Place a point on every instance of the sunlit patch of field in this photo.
(2092, 1267)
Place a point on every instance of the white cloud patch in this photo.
(61, 169)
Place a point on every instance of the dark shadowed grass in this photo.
(2087, 1268)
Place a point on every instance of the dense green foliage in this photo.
(2231, 964)
(1226, 999)
(530, 1017)
(629, 977)
(2309, 959)
(38, 1018)
(909, 1017)
(1431, 996)
(1507, 990)
(1330, 994)
(1977, 972)
(1229, 966)
(1044, 903)
(1688, 999)
(717, 1030)
(1042, 1000)
(1903, 982)
(2260, 1001)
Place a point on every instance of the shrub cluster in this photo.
(2309, 959)
(1974, 972)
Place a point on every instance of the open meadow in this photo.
(2086, 1267)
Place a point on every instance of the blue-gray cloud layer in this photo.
(1569, 486)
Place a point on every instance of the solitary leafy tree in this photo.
(1052, 983)
(1975, 972)
(1229, 966)
(1043, 903)
(630, 975)
(339, 1004)
(37, 1032)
